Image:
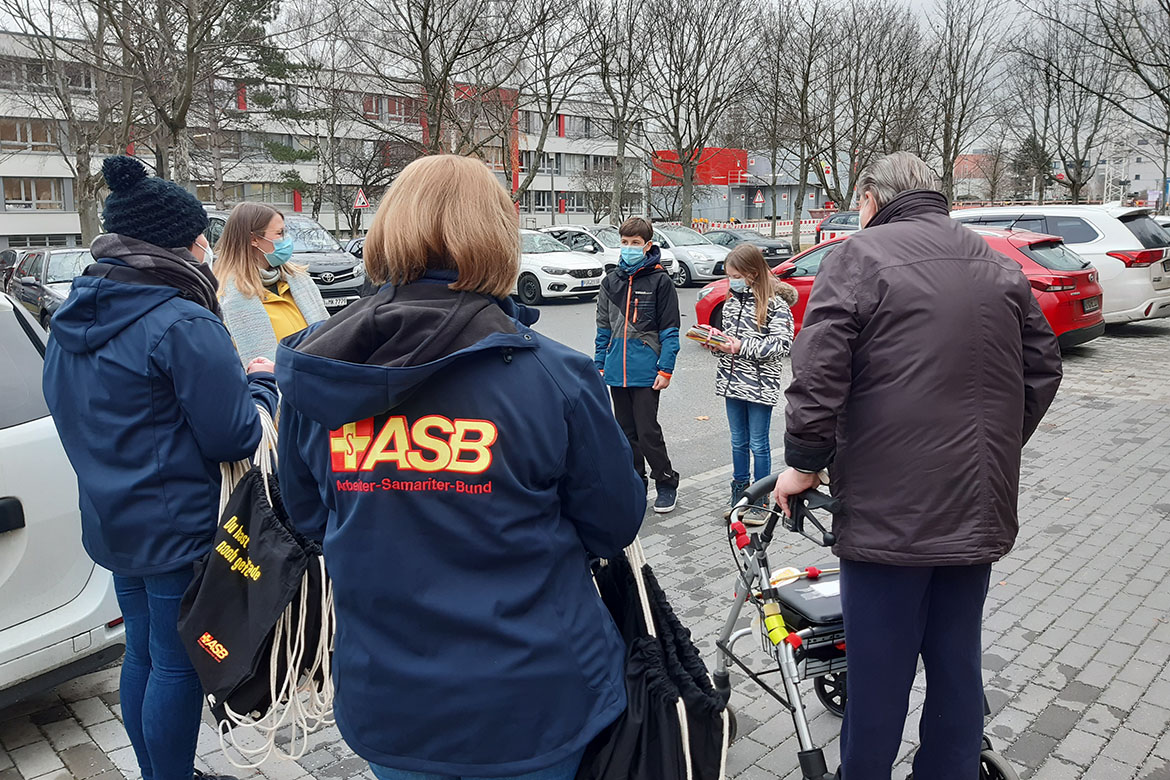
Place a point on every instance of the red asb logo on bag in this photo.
(432, 444)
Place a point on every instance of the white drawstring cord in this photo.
(301, 708)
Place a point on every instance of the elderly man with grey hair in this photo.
(923, 366)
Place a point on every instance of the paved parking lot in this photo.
(1077, 633)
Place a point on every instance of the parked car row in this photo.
(1066, 286)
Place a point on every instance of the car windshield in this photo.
(682, 236)
(540, 243)
(308, 236)
(609, 237)
(1146, 230)
(64, 266)
(1056, 257)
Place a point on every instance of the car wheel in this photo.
(528, 290)
(684, 276)
(717, 317)
(45, 318)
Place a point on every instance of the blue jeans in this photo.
(161, 697)
(750, 424)
(566, 770)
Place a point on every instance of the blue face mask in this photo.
(737, 285)
(282, 252)
(632, 257)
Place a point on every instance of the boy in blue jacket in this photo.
(637, 343)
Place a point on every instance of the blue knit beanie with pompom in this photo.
(148, 208)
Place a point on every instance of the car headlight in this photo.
(552, 269)
(705, 292)
(359, 269)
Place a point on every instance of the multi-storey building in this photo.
(245, 151)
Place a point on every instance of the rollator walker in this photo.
(800, 626)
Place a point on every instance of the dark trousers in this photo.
(893, 614)
(636, 410)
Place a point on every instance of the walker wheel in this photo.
(993, 766)
(831, 691)
(732, 725)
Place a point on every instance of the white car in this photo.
(549, 269)
(59, 616)
(699, 260)
(1130, 251)
(604, 242)
(1163, 220)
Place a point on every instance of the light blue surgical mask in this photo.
(738, 285)
(632, 257)
(282, 252)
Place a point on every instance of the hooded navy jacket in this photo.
(457, 466)
(148, 396)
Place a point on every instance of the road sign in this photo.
(360, 201)
(759, 199)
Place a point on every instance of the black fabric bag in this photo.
(257, 566)
(674, 726)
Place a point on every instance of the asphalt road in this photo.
(692, 416)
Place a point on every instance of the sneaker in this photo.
(667, 498)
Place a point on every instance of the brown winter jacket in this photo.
(923, 366)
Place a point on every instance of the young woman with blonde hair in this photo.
(264, 297)
(449, 458)
(758, 323)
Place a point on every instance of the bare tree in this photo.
(618, 53)
(457, 60)
(174, 47)
(699, 69)
(550, 74)
(598, 183)
(869, 107)
(968, 35)
(66, 44)
(1075, 91)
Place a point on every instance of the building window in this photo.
(268, 192)
(577, 126)
(1137, 177)
(390, 108)
(30, 194)
(24, 74)
(60, 239)
(542, 201)
(26, 135)
(80, 78)
(596, 163)
(575, 202)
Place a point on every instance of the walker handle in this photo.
(802, 509)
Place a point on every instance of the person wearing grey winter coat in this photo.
(750, 376)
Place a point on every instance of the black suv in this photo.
(337, 273)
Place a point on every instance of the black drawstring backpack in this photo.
(675, 726)
(257, 620)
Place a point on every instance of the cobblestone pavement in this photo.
(1078, 619)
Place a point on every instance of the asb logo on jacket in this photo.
(432, 444)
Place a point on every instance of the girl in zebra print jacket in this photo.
(758, 323)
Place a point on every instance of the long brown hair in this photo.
(446, 212)
(748, 261)
(236, 260)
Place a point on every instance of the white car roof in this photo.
(1112, 209)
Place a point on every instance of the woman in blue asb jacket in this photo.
(460, 469)
(148, 396)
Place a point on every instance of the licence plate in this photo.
(336, 302)
(1091, 304)
(590, 283)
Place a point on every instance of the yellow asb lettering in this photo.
(440, 449)
(432, 444)
(480, 445)
(391, 446)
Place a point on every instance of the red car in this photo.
(1064, 284)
